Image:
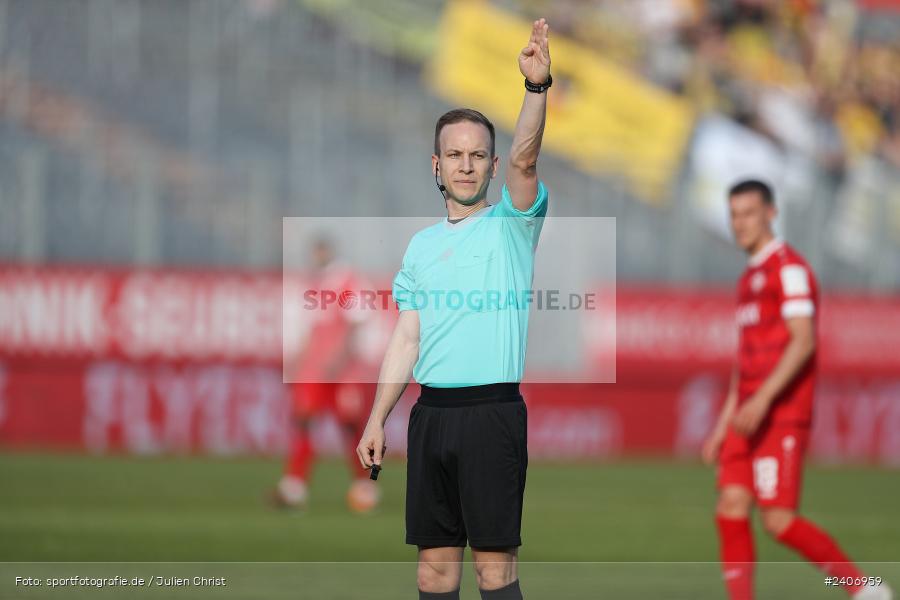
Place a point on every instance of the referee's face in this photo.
(465, 164)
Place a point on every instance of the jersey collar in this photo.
(475, 215)
(765, 252)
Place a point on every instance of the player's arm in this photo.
(396, 371)
(521, 176)
(796, 354)
(713, 443)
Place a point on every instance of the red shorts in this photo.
(346, 401)
(769, 463)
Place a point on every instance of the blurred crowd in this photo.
(820, 76)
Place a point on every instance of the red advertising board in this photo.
(150, 361)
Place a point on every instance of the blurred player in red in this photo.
(332, 310)
(763, 429)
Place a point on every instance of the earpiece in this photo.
(440, 186)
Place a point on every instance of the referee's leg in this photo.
(439, 573)
(496, 573)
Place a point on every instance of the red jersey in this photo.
(331, 308)
(777, 285)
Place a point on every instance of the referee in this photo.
(463, 291)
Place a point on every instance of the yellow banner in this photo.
(601, 117)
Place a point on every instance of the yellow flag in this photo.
(601, 117)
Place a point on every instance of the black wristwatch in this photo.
(539, 88)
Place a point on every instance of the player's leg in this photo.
(439, 572)
(778, 466)
(736, 549)
(735, 501)
(812, 543)
(292, 490)
(351, 410)
(364, 494)
(496, 573)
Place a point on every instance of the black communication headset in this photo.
(440, 186)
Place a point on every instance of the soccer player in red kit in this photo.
(331, 307)
(764, 427)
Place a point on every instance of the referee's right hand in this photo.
(371, 446)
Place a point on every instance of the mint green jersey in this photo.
(471, 283)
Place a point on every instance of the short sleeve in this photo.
(531, 220)
(796, 292)
(506, 208)
(404, 286)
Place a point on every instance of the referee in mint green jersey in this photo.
(464, 290)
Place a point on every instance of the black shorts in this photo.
(467, 457)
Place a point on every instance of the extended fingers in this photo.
(538, 31)
(539, 41)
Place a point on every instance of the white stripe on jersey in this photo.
(795, 280)
(797, 308)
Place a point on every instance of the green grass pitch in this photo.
(625, 529)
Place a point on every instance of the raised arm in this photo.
(534, 63)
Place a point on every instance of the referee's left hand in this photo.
(534, 59)
(371, 448)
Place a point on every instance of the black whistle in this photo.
(374, 474)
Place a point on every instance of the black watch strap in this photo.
(539, 88)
